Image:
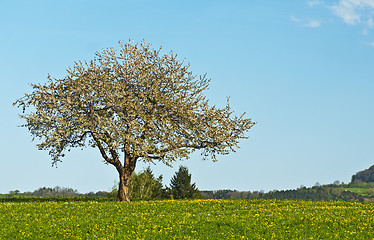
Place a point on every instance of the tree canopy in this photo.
(144, 185)
(136, 101)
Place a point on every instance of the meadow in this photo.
(187, 219)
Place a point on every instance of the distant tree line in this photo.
(142, 186)
(54, 192)
(321, 193)
(46, 192)
(361, 188)
(145, 186)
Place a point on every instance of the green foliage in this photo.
(329, 192)
(181, 187)
(193, 219)
(55, 192)
(144, 186)
(47, 194)
(365, 176)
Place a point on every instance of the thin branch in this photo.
(204, 144)
(79, 140)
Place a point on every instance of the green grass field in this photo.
(362, 191)
(187, 219)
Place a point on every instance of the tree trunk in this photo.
(123, 188)
(125, 172)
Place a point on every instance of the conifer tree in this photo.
(181, 187)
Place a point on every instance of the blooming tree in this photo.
(132, 102)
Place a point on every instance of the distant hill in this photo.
(366, 175)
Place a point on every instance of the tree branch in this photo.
(204, 144)
(79, 140)
(102, 150)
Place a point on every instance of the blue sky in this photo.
(303, 70)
